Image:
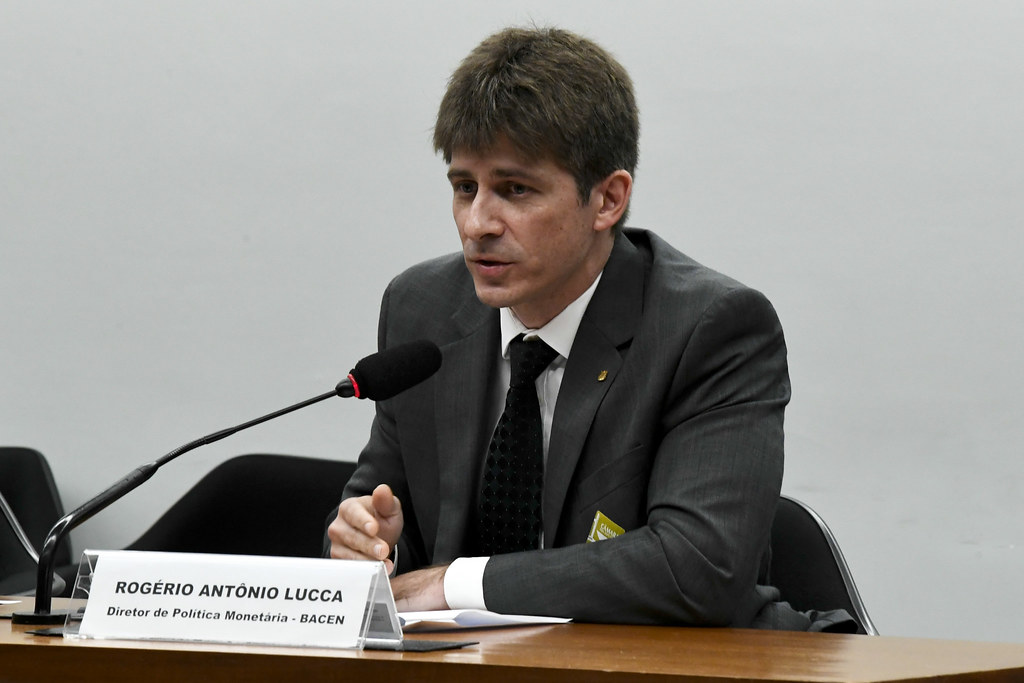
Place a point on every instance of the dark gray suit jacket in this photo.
(681, 444)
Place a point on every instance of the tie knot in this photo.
(529, 358)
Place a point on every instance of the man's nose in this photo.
(482, 218)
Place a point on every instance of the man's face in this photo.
(528, 241)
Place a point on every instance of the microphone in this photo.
(377, 377)
(388, 373)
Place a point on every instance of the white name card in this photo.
(235, 599)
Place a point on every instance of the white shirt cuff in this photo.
(464, 583)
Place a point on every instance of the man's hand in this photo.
(420, 590)
(367, 527)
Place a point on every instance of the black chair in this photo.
(18, 556)
(808, 567)
(33, 507)
(258, 504)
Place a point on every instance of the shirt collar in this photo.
(560, 331)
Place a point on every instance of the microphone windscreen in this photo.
(391, 371)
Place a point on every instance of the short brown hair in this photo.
(553, 94)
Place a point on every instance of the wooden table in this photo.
(564, 653)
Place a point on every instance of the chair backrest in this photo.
(17, 555)
(27, 485)
(808, 567)
(257, 504)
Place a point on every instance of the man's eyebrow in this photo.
(514, 172)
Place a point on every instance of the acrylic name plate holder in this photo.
(289, 601)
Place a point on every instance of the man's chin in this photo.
(495, 297)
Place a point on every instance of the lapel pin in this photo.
(602, 376)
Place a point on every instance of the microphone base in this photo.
(57, 616)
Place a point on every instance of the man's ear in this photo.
(612, 195)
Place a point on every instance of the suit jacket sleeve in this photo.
(421, 442)
(381, 462)
(714, 479)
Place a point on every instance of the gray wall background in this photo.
(201, 203)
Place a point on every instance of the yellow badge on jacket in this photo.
(603, 528)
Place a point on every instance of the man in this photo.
(661, 413)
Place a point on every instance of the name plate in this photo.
(235, 599)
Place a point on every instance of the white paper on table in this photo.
(453, 619)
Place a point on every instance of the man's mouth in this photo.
(490, 267)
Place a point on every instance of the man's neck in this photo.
(559, 332)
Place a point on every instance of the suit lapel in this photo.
(605, 331)
(464, 394)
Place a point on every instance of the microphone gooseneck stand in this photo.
(43, 614)
(377, 377)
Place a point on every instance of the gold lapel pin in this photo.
(602, 376)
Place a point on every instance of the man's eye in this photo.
(516, 188)
(464, 187)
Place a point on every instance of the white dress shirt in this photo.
(464, 579)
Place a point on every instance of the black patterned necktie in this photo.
(510, 502)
